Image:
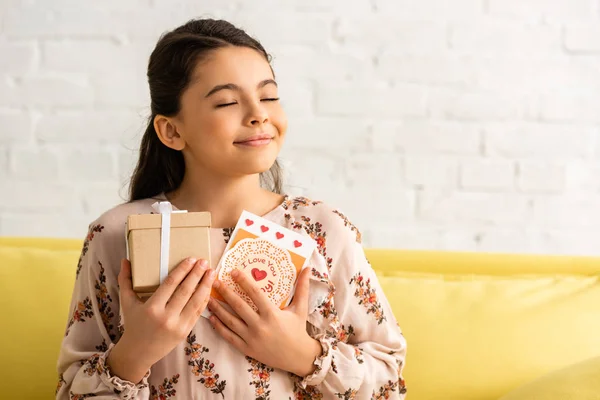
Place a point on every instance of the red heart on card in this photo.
(258, 275)
(279, 235)
(297, 243)
(249, 222)
(264, 228)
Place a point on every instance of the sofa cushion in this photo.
(35, 290)
(474, 336)
(580, 381)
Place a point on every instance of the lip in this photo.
(255, 140)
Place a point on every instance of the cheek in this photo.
(213, 129)
(279, 120)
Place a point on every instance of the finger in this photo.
(126, 292)
(197, 303)
(172, 281)
(228, 335)
(300, 303)
(239, 305)
(229, 320)
(259, 298)
(186, 289)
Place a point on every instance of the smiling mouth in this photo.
(255, 142)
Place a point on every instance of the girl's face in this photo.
(231, 122)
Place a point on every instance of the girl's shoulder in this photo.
(110, 225)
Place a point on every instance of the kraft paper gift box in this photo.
(157, 243)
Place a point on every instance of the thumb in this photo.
(126, 292)
(300, 302)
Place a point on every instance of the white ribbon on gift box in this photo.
(165, 209)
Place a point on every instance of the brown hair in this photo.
(159, 168)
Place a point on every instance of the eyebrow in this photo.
(233, 86)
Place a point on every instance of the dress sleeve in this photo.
(94, 325)
(363, 347)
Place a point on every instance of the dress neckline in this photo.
(271, 215)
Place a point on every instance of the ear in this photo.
(167, 132)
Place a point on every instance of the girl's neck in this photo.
(224, 198)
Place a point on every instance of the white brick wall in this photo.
(434, 124)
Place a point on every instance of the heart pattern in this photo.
(297, 244)
(264, 228)
(249, 222)
(258, 274)
(279, 235)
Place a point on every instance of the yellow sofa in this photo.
(477, 325)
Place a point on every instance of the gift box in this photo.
(157, 243)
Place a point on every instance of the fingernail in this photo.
(211, 274)
(192, 261)
(216, 284)
(235, 273)
(204, 263)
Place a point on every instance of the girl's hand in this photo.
(274, 337)
(154, 327)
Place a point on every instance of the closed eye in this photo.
(270, 99)
(225, 105)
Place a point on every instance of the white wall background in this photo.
(458, 124)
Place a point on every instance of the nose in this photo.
(258, 115)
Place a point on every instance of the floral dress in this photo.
(363, 347)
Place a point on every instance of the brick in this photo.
(478, 105)
(535, 73)
(374, 170)
(582, 39)
(306, 6)
(108, 89)
(543, 10)
(390, 208)
(504, 37)
(579, 107)
(4, 164)
(292, 62)
(41, 91)
(579, 242)
(341, 134)
(69, 19)
(564, 211)
(126, 162)
(582, 176)
(17, 58)
(314, 171)
(540, 177)
(358, 100)
(37, 197)
(408, 37)
(88, 165)
(431, 9)
(17, 127)
(458, 239)
(82, 56)
(412, 237)
(435, 69)
(426, 138)
(486, 174)
(446, 205)
(507, 240)
(35, 164)
(297, 98)
(539, 140)
(275, 28)
(49, 224)
(100, 197)
(431, 171)
(82, 126)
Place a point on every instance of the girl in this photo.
(211, 144)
